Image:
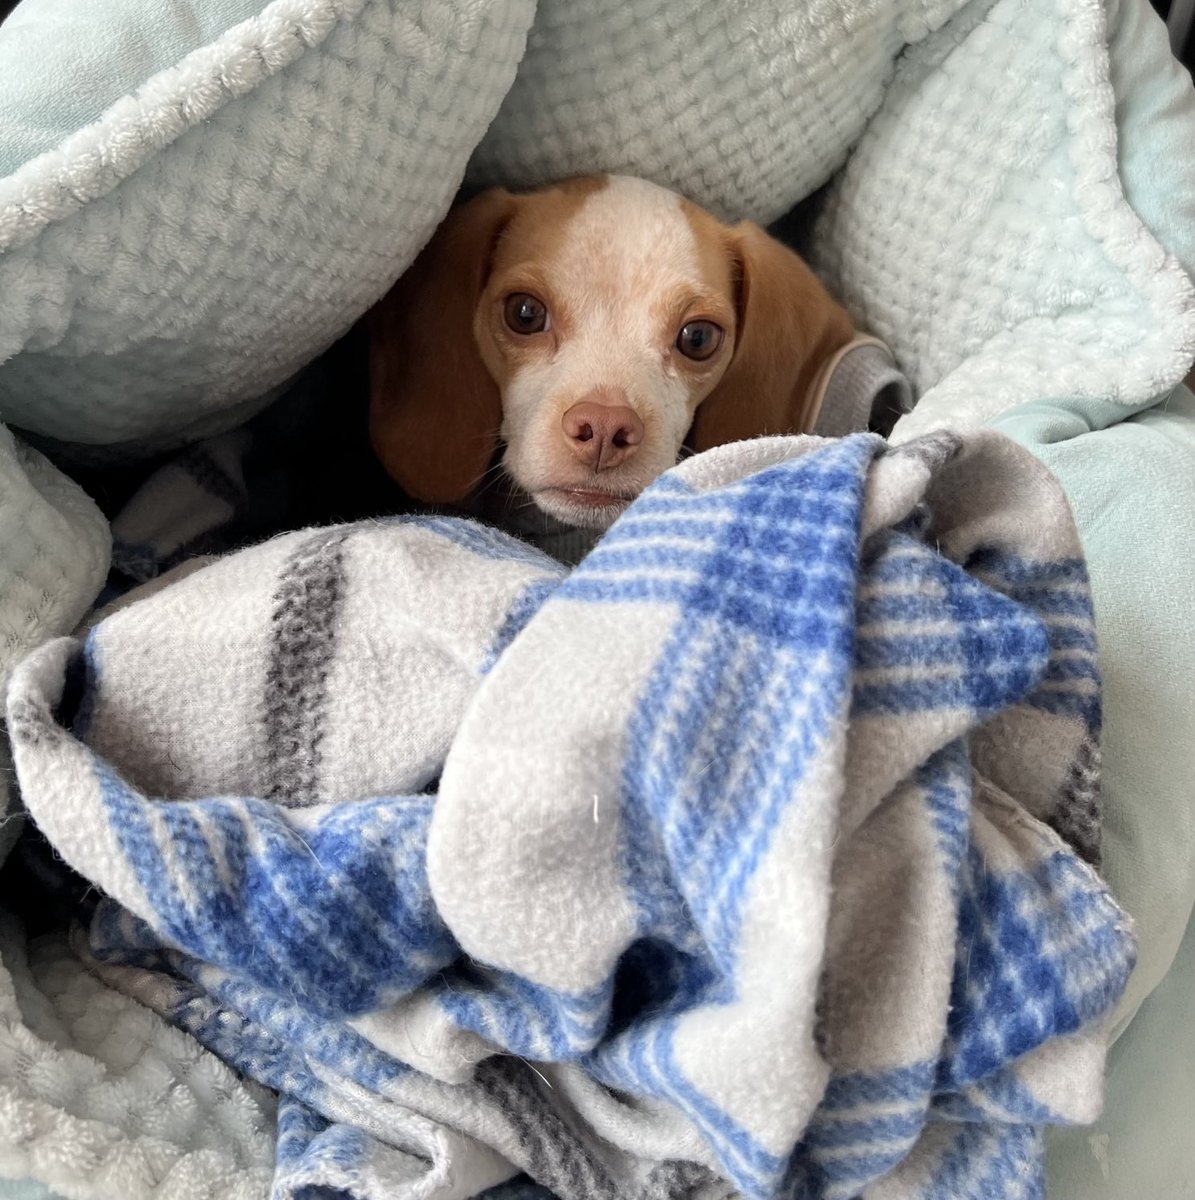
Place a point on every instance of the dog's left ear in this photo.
(788, 329)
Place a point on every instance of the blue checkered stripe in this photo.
(756, 671)
(1059, 594)
(864, 1126)
(339, 916)
(316, 1158)
(988, 1162)
(527, 1019)
(333, 1160)
(277, 1060)
(930, 636)
(944, 783)
(1001, 1097)
(270, 1036)
(1041, 953)
(770, 553)
(526, 604)
(321, 1068)
(868, 1122)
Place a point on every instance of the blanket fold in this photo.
(757, 855)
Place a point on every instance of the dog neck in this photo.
(505, 505)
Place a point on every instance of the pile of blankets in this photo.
(757, 855)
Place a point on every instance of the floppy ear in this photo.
(788, 328)
(434, 410)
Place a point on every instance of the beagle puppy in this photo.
(587, 332)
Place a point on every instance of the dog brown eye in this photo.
(525, 314)
(699, 339)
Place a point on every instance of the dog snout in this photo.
(602, 431)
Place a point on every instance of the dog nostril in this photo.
(628, 433)
(584, 434)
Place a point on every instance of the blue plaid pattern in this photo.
(982, 1161)
(1059, 594)
(339, 916)
(1041, 954)
(930, 636)
(763, 579)
(782, 626)
(314, 1155)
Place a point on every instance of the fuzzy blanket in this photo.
(754, 856)
(1014, 220)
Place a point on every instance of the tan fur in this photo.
(448, 380)
(788, 327)
(435, 406)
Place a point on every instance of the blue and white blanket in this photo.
(756, 855)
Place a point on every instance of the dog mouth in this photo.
(585, 507)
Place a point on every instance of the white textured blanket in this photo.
(1013, 224)
(988, 226)
(759, 857)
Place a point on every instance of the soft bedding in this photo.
(765, 838)
(1089, 300)
(197, 221)
(1024, 171)
(1133, 477)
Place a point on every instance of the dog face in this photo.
(589, 328)
(604, 327)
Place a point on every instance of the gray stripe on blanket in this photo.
(552, 1153)
(303, 623)
(1078, 819)
(933, 450)
(208, 474)
(675, 1180)
(556, 1158)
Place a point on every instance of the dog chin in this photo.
(583, 508)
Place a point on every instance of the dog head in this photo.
(590, 328)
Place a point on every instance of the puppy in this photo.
(589, 331)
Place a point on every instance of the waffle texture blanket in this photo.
(754, 856)
(1015, 219)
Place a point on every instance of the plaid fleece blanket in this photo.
(755, 856)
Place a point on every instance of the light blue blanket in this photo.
(1132, 489)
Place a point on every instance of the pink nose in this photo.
(602, 435)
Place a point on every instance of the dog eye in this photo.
(525, 314)
(699, 339)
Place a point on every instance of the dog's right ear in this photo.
(789, 328)
(434, 410)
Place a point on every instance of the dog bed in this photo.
(185, 224)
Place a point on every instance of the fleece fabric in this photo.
(757, 852)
